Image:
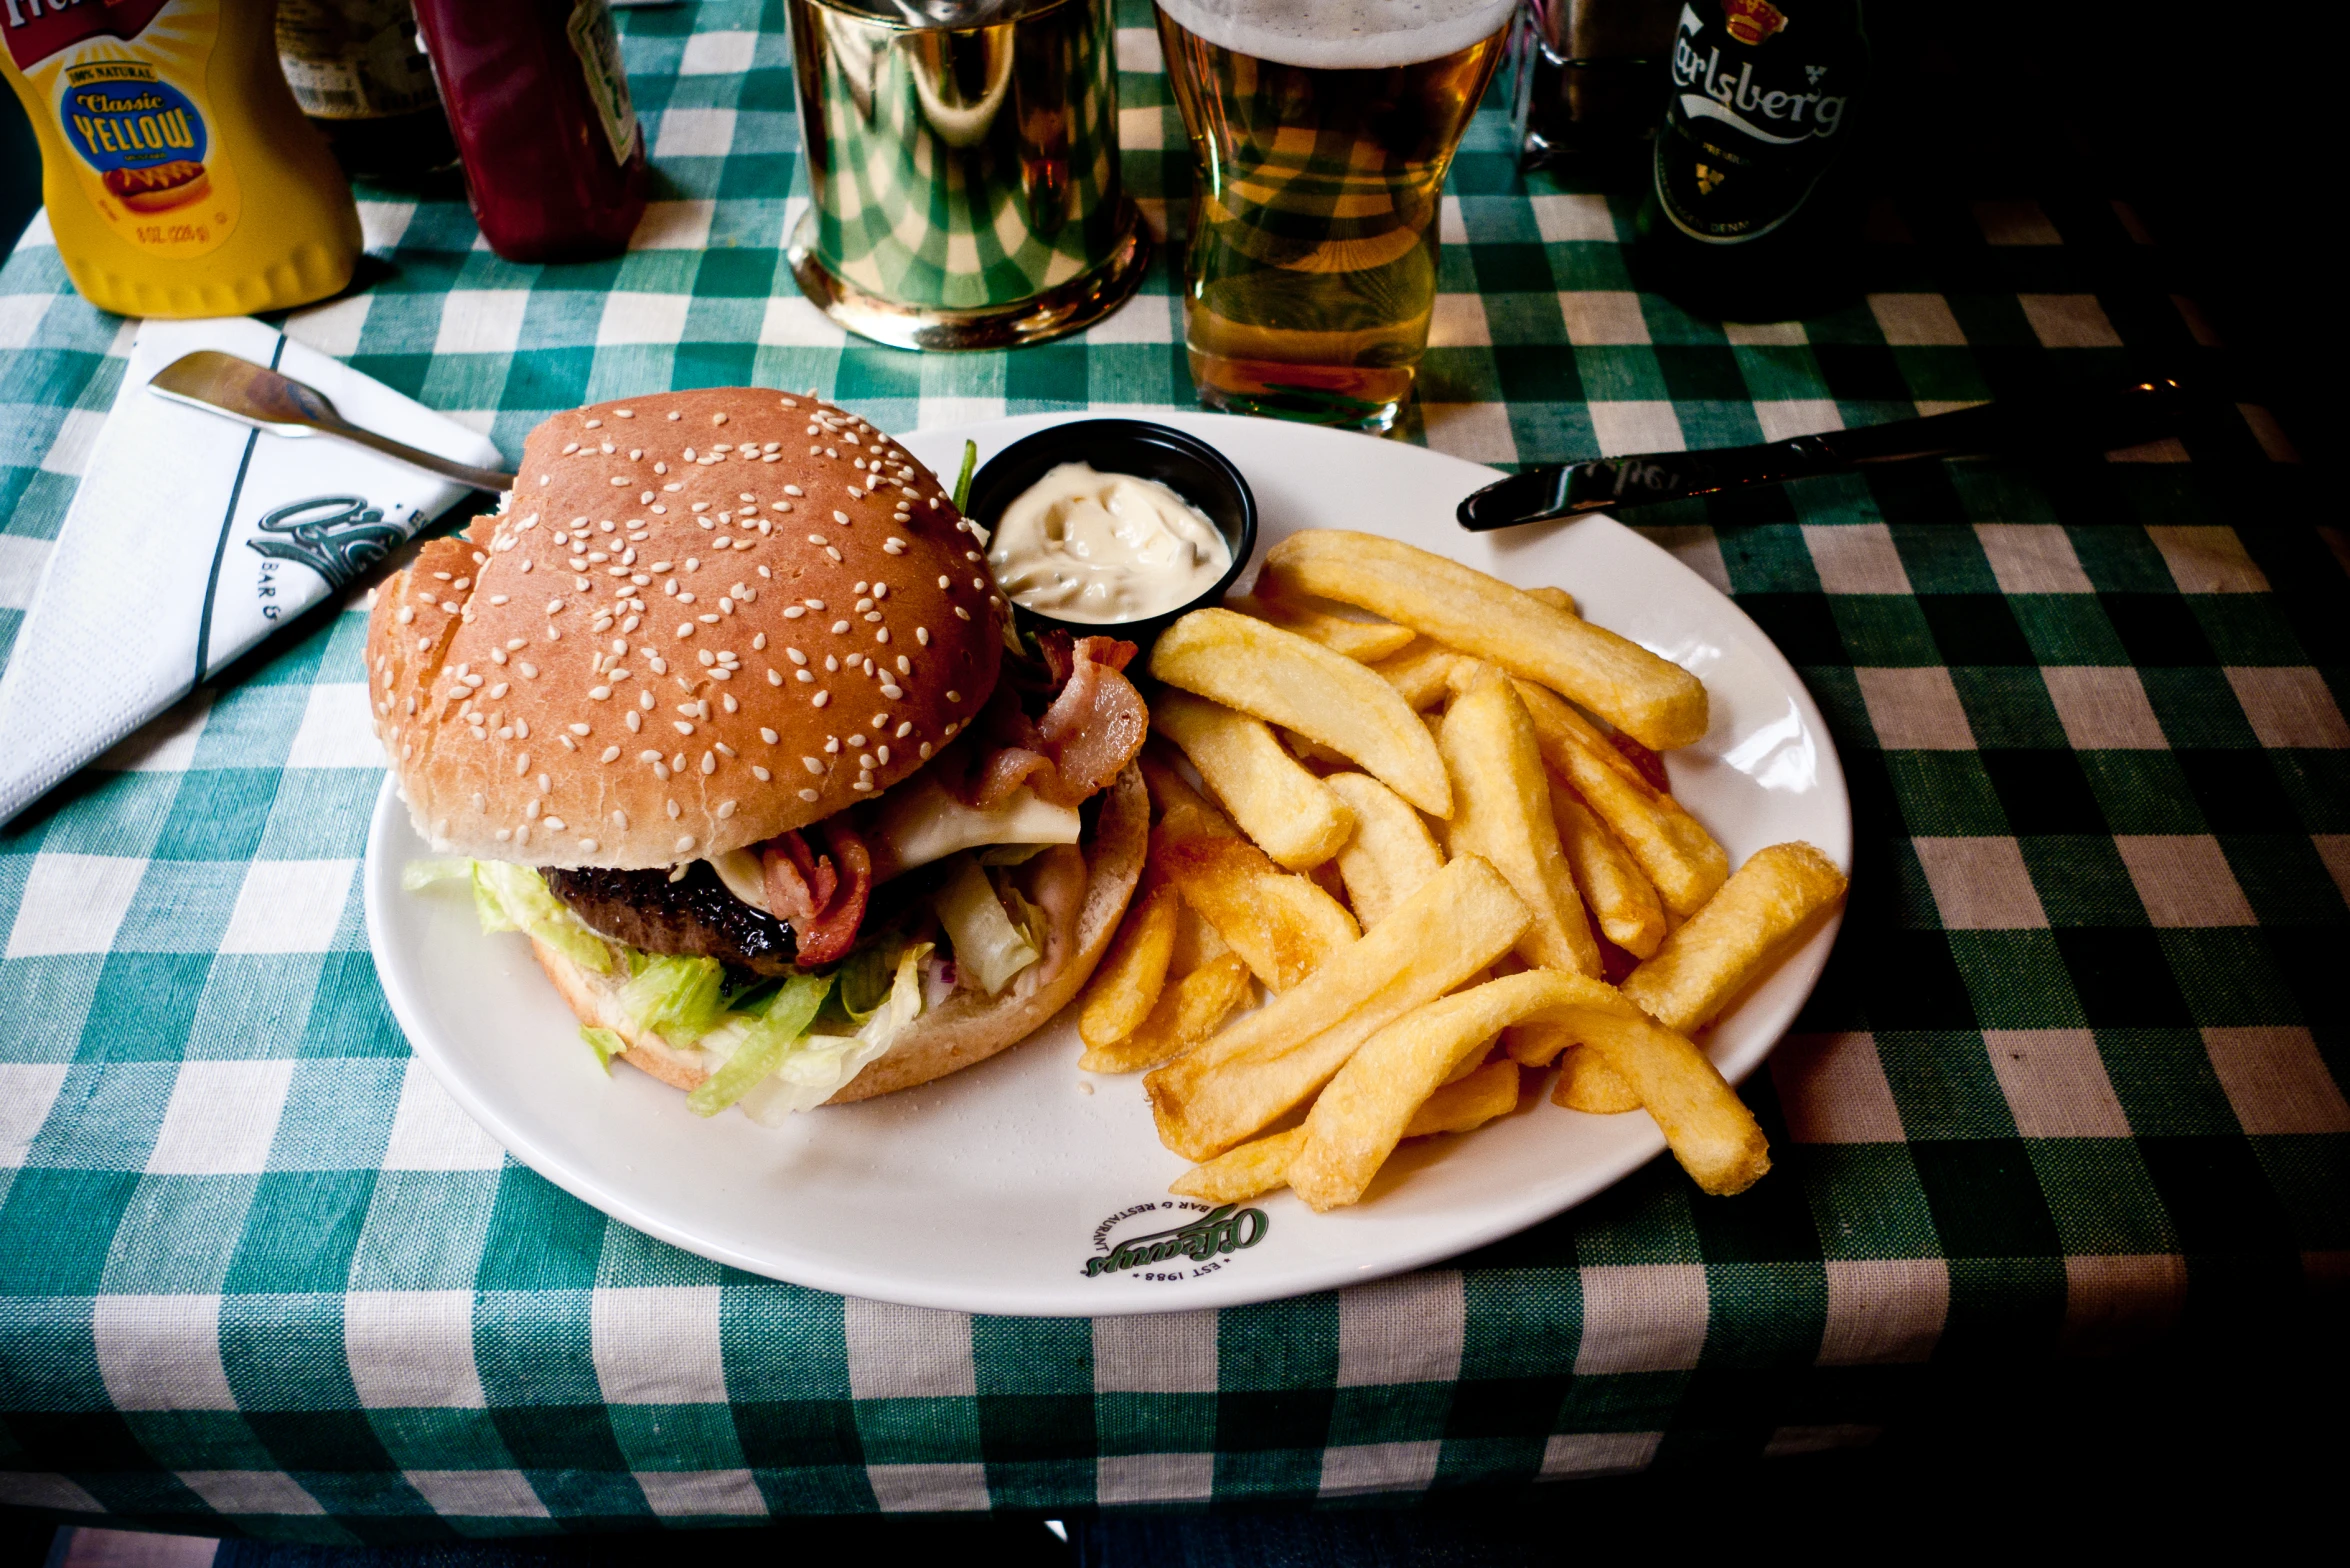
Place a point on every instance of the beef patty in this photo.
(693, 917)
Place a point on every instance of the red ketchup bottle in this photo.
(554, 160)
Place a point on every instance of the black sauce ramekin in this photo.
(1183, 463)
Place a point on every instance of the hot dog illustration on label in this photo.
(144, 136)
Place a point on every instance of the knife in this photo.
(255, 395)
(2133, 415)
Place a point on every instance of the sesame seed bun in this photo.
(506, 668)
(966, 1027)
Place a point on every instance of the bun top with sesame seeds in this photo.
(700, 619)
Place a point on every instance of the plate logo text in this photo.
(1186, 1250)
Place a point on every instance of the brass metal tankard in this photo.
(962, 160)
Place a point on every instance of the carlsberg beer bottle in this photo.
(1744, 217)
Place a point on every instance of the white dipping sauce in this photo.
(1082, 545)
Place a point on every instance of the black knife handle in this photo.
(2136, 414)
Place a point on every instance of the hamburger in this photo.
(722, 708)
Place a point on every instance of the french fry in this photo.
(1535, 1045)
(1585, 1077)
(1170, 791)
(1248, 1171)
(1587, 1083)
(1277, 803)
(1360, 1116)
(1680, 859)
(1473, 1060)
(1420, 674)
(1126, 985)
(1195, 941)
(1711, 967)
(1656, 702)
(1569, 720)
(1619, 895)
(1361, 641)
(1501, 810)
(1292, 681)
(1216, 1095)
(1390, 853)
(1649, 765)
(1466, 1104)
(1312, 752)
(1740, 931)
(1262, 1164)
(1187, 1012)
(1556, 598)
(1712, 1133)
(1281, 924)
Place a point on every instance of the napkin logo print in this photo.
(336, 536)
(1182, 1251)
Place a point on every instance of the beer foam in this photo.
(1342, 35)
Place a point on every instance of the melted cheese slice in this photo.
(919, 822)
(743, 875)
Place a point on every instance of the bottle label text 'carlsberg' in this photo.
(1752, 121)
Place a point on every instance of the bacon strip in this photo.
(1098, 722)
(834, 930)
(798, 883)
(821, 897)
(1091, 730)
(1007, 769)
(1006, 751)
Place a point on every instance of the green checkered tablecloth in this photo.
(2072, 1081)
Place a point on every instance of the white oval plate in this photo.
(990, 1190)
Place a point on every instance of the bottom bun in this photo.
(967, 1027)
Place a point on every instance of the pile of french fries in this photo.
(1433, 840)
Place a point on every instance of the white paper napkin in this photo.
(192, 538)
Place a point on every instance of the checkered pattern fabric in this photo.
(2073, 1079)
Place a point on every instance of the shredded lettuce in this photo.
(753, 998)
(865, 978)
(508, 897)
(677, 998)
(604, 1043)
(769, 1063)
(1027, 916)
(763, 1045)
(1011, 854)
(988, 946)
(418, 875)
(820, 1065)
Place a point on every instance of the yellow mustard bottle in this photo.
(180, 176)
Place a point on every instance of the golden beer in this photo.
(1320, 131)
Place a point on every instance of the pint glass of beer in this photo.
(1321, 131)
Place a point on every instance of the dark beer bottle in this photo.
(361, 78)
(1745, 216)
